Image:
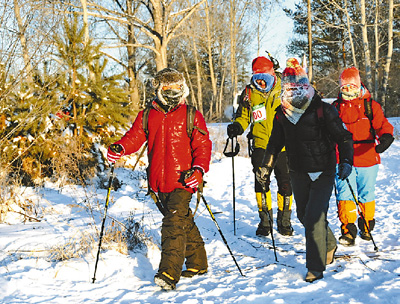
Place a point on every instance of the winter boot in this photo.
(330, 256)
(284, 214)
(312, 276)
(368, 210)
(349, 233)
(191, 272)
(165, 281)
(364, 234)
(264, 227)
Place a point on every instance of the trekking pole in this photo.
(270, 222)
(232, 154)
(104, 220)
(219, 230)
(362, 214)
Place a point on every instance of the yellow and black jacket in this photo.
(258, 108)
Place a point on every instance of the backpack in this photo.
(368, 113)
(190, 115)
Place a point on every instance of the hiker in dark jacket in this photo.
(177, 163)
(310, 130)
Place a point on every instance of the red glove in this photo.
(194, 179)
(115, 152)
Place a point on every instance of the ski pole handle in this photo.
(235, 151)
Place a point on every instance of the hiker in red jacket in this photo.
(365, 119)
(177, 163)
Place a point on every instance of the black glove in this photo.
(344, 170)
(384, 142)
(263, 175)
(234, 129)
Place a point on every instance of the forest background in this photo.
(74, 74)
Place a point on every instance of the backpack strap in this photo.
(190, 115)
(368, 112)
(145, 120)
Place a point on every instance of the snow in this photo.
(29, 274)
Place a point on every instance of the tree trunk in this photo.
(131, 67)
(22, 38)
(310, 65)
(353, 53)
(210, 56)
(386, 69)
(377, 42)
(367, 55)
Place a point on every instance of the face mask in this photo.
(350, 91)
(263, 82)
(296, 95)
(171, 95)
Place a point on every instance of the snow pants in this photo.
(312, 203)
(362, 181)
(180, 237)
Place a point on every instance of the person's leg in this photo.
(366, 180)
(264, 203)
(312, 202)
(196, 257)
(174, 228)
(284, 195)
(347, 209)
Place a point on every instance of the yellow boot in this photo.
(284, 214)
(265, 213)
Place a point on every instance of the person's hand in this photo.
(193, 178)
(115, 152)
(384, 142)
(344, 170)
(234, 129)
(263, 175)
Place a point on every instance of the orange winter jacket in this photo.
(170, 150)
(353, 115)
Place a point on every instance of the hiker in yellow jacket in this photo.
(257, 105)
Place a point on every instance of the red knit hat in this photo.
(294, 73)
(262, 65)
(350, 76)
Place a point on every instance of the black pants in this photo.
(180, 237)
(312, 203)
(281, 171)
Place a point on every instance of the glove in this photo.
(263, 174)
(384, 142)
(193, 178)
(344, 170)
(115, 152)
(234, 129)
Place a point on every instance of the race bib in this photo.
(259, 113)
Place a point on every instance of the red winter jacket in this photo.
(353, 115)
(170, 150)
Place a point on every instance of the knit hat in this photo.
(350, 76)
(263, 69)
(294, 73)
(350, 84)
(171, 87)
(297, 92)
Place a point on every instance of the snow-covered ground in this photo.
(30, 271)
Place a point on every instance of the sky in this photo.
(32, 269)
(277, 34)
